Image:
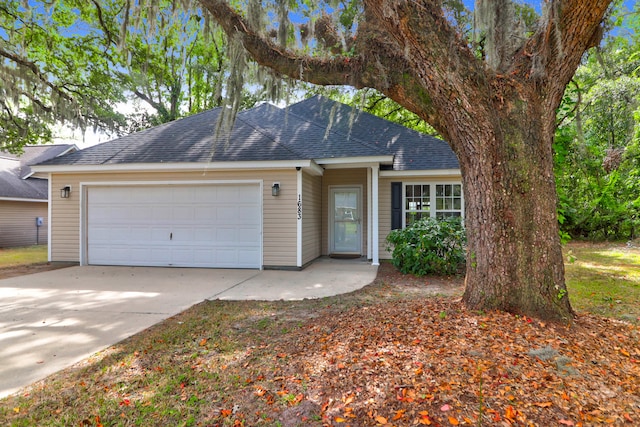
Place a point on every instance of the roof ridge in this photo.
(337, 132)
(266, 133)
(154, 128)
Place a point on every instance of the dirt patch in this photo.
(22, 270)
(424, 285)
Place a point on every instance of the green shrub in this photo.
(429, 246)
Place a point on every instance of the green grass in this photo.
(604, 279)
(12, 257)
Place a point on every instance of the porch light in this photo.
(275, 189)
(65, 192)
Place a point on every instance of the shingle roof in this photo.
(15, 171)
(412, 150)
(266, 132)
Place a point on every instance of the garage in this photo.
(174, 225)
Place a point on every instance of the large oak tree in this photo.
(494, 101)
(491, 89)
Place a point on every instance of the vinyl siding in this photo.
(343, 177)
(18, 223)
(279, 213)
(311, 217)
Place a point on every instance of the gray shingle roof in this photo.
(15, 171)
(266, 132)
(412, 150)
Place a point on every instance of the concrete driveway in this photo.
(51, 320)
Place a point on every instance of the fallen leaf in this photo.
(567, 422)
(381, 420)
(445, 408)
(203, 342)
(544, 404)
(399, 414)
(454, 421)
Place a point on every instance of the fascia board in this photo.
(173, 167)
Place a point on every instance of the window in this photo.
(417, 202)
(430, 200)
(448, 200)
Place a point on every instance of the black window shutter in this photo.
(396, 205)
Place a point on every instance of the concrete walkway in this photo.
(51, 320)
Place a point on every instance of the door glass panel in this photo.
(346, 223)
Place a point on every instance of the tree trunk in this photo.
(514, 260)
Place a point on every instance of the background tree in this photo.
(597, 151)
(75, 62)
(49, 76)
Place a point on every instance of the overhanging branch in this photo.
(31, 66)
(321, 71)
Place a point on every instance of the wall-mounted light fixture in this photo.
(275, 189)
(65, 192)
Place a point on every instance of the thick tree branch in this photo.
(159, 107)
(553, 53)
(447, 79)
(321, 71)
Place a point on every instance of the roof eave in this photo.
(174, 167)
(443, 173)
(346, 162)
(20, 199)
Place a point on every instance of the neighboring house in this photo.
(23, 197)
(282, 188)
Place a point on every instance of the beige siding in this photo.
(279, 213)
(384, 214)
(18, 223)
(311, 217)
(343, 177)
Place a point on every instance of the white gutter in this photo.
(17, 199)
(166, 167)
(361, 161)
(421, 172)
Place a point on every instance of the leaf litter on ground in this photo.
(383, 356)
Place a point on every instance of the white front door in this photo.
(345, 220)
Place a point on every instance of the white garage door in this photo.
(175, 225)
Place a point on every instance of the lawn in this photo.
(604, 279)
(391, 354)
(11, 257)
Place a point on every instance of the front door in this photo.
(345, 220)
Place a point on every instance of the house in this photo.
(23, 197)
(280, 189)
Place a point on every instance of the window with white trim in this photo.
(448, 200)
(436, 200)
(417, 202)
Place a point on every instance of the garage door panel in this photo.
(199, 226)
